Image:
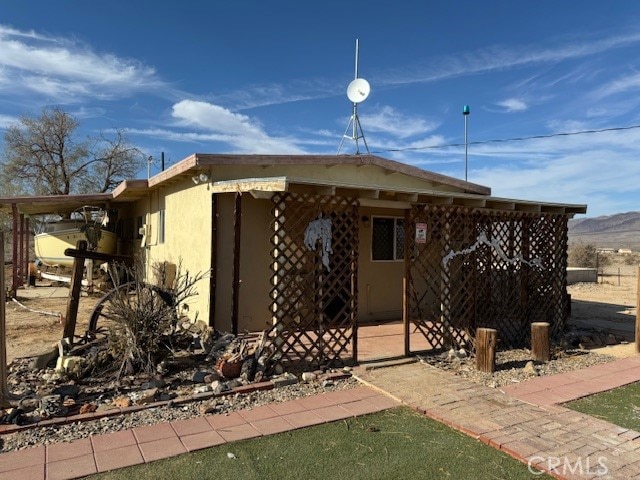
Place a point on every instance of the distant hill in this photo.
(621, 230)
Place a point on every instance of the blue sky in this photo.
(270, 77)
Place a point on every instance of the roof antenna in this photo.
(465, 113)
(357, 91)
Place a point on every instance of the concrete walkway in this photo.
(145, 444)
(526, 424)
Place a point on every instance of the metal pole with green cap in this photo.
(465, 113)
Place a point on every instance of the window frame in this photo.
(395, 239)
(161, 225)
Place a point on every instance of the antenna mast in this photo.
(357, 91)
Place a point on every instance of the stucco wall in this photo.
(187, 235)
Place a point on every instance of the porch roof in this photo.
(371, 195)
(127, 191)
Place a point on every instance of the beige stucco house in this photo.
(309, 247)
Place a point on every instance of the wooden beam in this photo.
(499, 205)
(357, 193)
(470, 202)
(528, 207)
(235, 288)
(6, 399)
(406, 281)
(329, 190)
(213, 277)
(21, 269)
(74, 292)
(14, 266)
(553, 209)
(435, 200)
(408, 197)
(26, 247)
(278, 184)
(261, 195)
(102, 257)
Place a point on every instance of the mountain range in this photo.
(621, 230)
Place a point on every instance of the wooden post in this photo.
(6, 398)
(26, 248)
(74, 294)
(14, 265)
(235, 287)
(638, 312)
(3, 335)
(21, 270)
(486, 340)
(406, 282)
(213, 274)
(540, 341)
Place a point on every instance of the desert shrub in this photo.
(145, 330)
(581, 255)
(632, 259)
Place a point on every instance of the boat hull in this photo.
(50, 247)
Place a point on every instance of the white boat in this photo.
(56, 237)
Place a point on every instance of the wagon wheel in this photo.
(128, 288)
(98, 311)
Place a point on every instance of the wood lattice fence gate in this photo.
(501, 270)
(314, 294)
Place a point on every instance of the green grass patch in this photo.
(396, 443)
(620, 406)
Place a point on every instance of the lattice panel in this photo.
(313, 308)
(500, 270)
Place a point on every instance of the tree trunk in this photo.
(540, 341)
(486, 339)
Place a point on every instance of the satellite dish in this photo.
(358, 90)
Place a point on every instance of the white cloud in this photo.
(498, 58)
(388, 120)
(215, 124)
(64, 70)
(513, 105)
(213, 117)
(621, 84)
(599, 170)
(7, 120)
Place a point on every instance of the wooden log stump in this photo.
(486, 340)
(540, 349)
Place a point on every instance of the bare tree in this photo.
(43, 156)
(114, 160)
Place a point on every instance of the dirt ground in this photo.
(608, 305)
(30, 331)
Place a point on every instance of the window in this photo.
(139, 230)
(387, 239)
(161, 227)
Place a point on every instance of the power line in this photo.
(505, 140)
